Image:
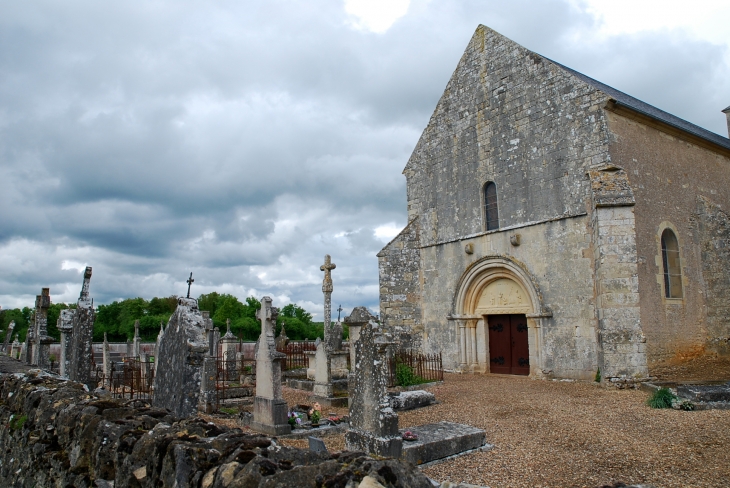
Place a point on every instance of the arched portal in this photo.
(498, 299)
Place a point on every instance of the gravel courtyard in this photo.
(549, 433)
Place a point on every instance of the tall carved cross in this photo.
(339, 310)
(228, 326)
(190, 282)
(327, 267)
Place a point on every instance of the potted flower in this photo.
(294, 420)
(315, 418)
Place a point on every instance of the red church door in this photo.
(508, 349)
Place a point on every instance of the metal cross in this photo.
(338, 313)
(190, 282)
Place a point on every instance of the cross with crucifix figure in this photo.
(190, 282)
(327, 288)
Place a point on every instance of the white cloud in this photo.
(375, 15)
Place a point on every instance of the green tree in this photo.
(208, 302)
(21, 318)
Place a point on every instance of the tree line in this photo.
(117, 318)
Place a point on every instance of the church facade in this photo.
(558, 227)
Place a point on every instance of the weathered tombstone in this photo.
(65, 325)
(157, 344)
(208, 393)
(269, 407)
(282, 340)
(27, 353)
(316, 444)
(136, 340)
(9, 334)
(180, 358)
(80, 367)
(24, 350)
(106, 360)
(322, 373)
(228, 344)
(129, 349)
(359, 318)
(208, 322)
(216, 340)
(42, 342)
(15, 348)
(373, 423)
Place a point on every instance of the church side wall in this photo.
(559, 255)
(670, 178)
(400, 287)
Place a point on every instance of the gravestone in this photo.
(208, 393)
(106, 360)
(9, 334)
(209, 335)
(160, 334)
(282, 340)
(136, 340)
(80, 366)
(269, 407)
(373, 423)
(15, 348)
(180, 359)
(24, 349)
(228, 346)
(358, 319)
(65, 325)
(322, 375)
(27, 352)
(316, 444)
(42, 341)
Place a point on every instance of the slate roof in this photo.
(649, 110)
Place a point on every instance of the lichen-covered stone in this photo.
(182, 350)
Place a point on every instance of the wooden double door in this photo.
(508, 349)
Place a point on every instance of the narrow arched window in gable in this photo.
(672, 267)
(491, 214)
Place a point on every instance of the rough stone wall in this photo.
(714, 237)
(399, 266)
(182, 350)
(667, 176)
(54, 433)
(513, 117)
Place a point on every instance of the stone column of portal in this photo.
(462, 344)
(473, 337)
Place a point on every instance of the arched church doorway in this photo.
(509, 352)
(498, 314)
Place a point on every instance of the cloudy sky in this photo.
(242, 141)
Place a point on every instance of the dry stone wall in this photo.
(55, 433)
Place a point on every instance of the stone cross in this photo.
(339, 311)
(327, 288)
(190, 282)
(65, 325)
(269, 408)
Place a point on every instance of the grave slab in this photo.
(408, 400)
(441, 440)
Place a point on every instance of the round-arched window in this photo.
(672, 267)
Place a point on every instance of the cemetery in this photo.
(279, 410)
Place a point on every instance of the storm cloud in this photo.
(242, 141)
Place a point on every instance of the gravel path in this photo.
(550, 433)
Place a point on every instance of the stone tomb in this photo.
(269, 407)
(373, 423)
(181, 353)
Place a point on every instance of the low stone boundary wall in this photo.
(55, 433)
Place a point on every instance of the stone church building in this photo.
(557, 226)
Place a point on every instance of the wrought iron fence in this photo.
(426, 367)
(131, 379)
(296, 354)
